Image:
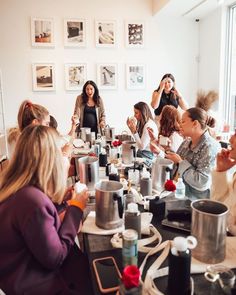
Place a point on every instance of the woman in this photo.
(167, 94)
(90, 109)
(222, 190)
(38, 254)
(196, 155)
(169, 137)
(140, 123)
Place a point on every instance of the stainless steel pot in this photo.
(83, 132)
(209, 228)
(128, 152)
(88, 168)
(109, 204)
(161, 169)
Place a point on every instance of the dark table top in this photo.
(98, 246)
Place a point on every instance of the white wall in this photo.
(172, 46)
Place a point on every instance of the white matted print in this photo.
(74, 32)
(43, 76)
(107, 76)
(135, 34)
(42, 32)
(135, 76)
(75, 75)
(105, 33)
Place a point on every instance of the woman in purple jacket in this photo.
(37, 251)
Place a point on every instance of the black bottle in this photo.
(179, 268)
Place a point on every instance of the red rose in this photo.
(170, 186)
(131, 276)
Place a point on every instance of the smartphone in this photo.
(107, 274)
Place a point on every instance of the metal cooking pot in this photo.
(88, 168)
(109, 204)
(161, 169)
(128, 152)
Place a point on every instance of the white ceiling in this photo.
(189, 8)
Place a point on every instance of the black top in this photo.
(90, 118)
(166, 99)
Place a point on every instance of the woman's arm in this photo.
(102, 119)
(182, 103)
(156, 96)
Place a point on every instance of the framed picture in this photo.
(135, 76)
(74, 32)
(107, 76)
(75, 75)
(43, 76)
(135, 34)
(42, 32)
(105, 33)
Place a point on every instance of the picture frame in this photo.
(105, 33)
(74, 32)
(75, 76)
(42, 32)
(135, 76)
(107, 75)
(135, 34)
(43, 75)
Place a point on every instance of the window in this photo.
(230, 82)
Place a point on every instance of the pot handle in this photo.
(134, 151)
(117, 198)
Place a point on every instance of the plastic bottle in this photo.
(133, 218)
(179, 267)
(114, 173)
(145, 183)
(180, 189)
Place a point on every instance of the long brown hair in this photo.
(37, 161)
(145, 115)
(29, 111)
(170, 121)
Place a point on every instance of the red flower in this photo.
(91, 154)
(116, 143)
(170, 186)
(131, 276)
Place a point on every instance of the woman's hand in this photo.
(67, 150)
(176, 93)
(151, 133)
(132, 125)
(81, 197)
(162, 84)
(174, 157)
(223, 161)
(102, 124)
(154, 147)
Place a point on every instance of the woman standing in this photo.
(89, 108)
(140, 123)
(38, 254)
(196, 155)
(167, 94)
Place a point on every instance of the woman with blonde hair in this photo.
(38, 254)
(31, 113)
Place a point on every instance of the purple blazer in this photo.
(37, 250)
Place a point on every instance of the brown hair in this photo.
(170, 121)
(37, 161)
(29, 111)
(145, 115)
(201, 116)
